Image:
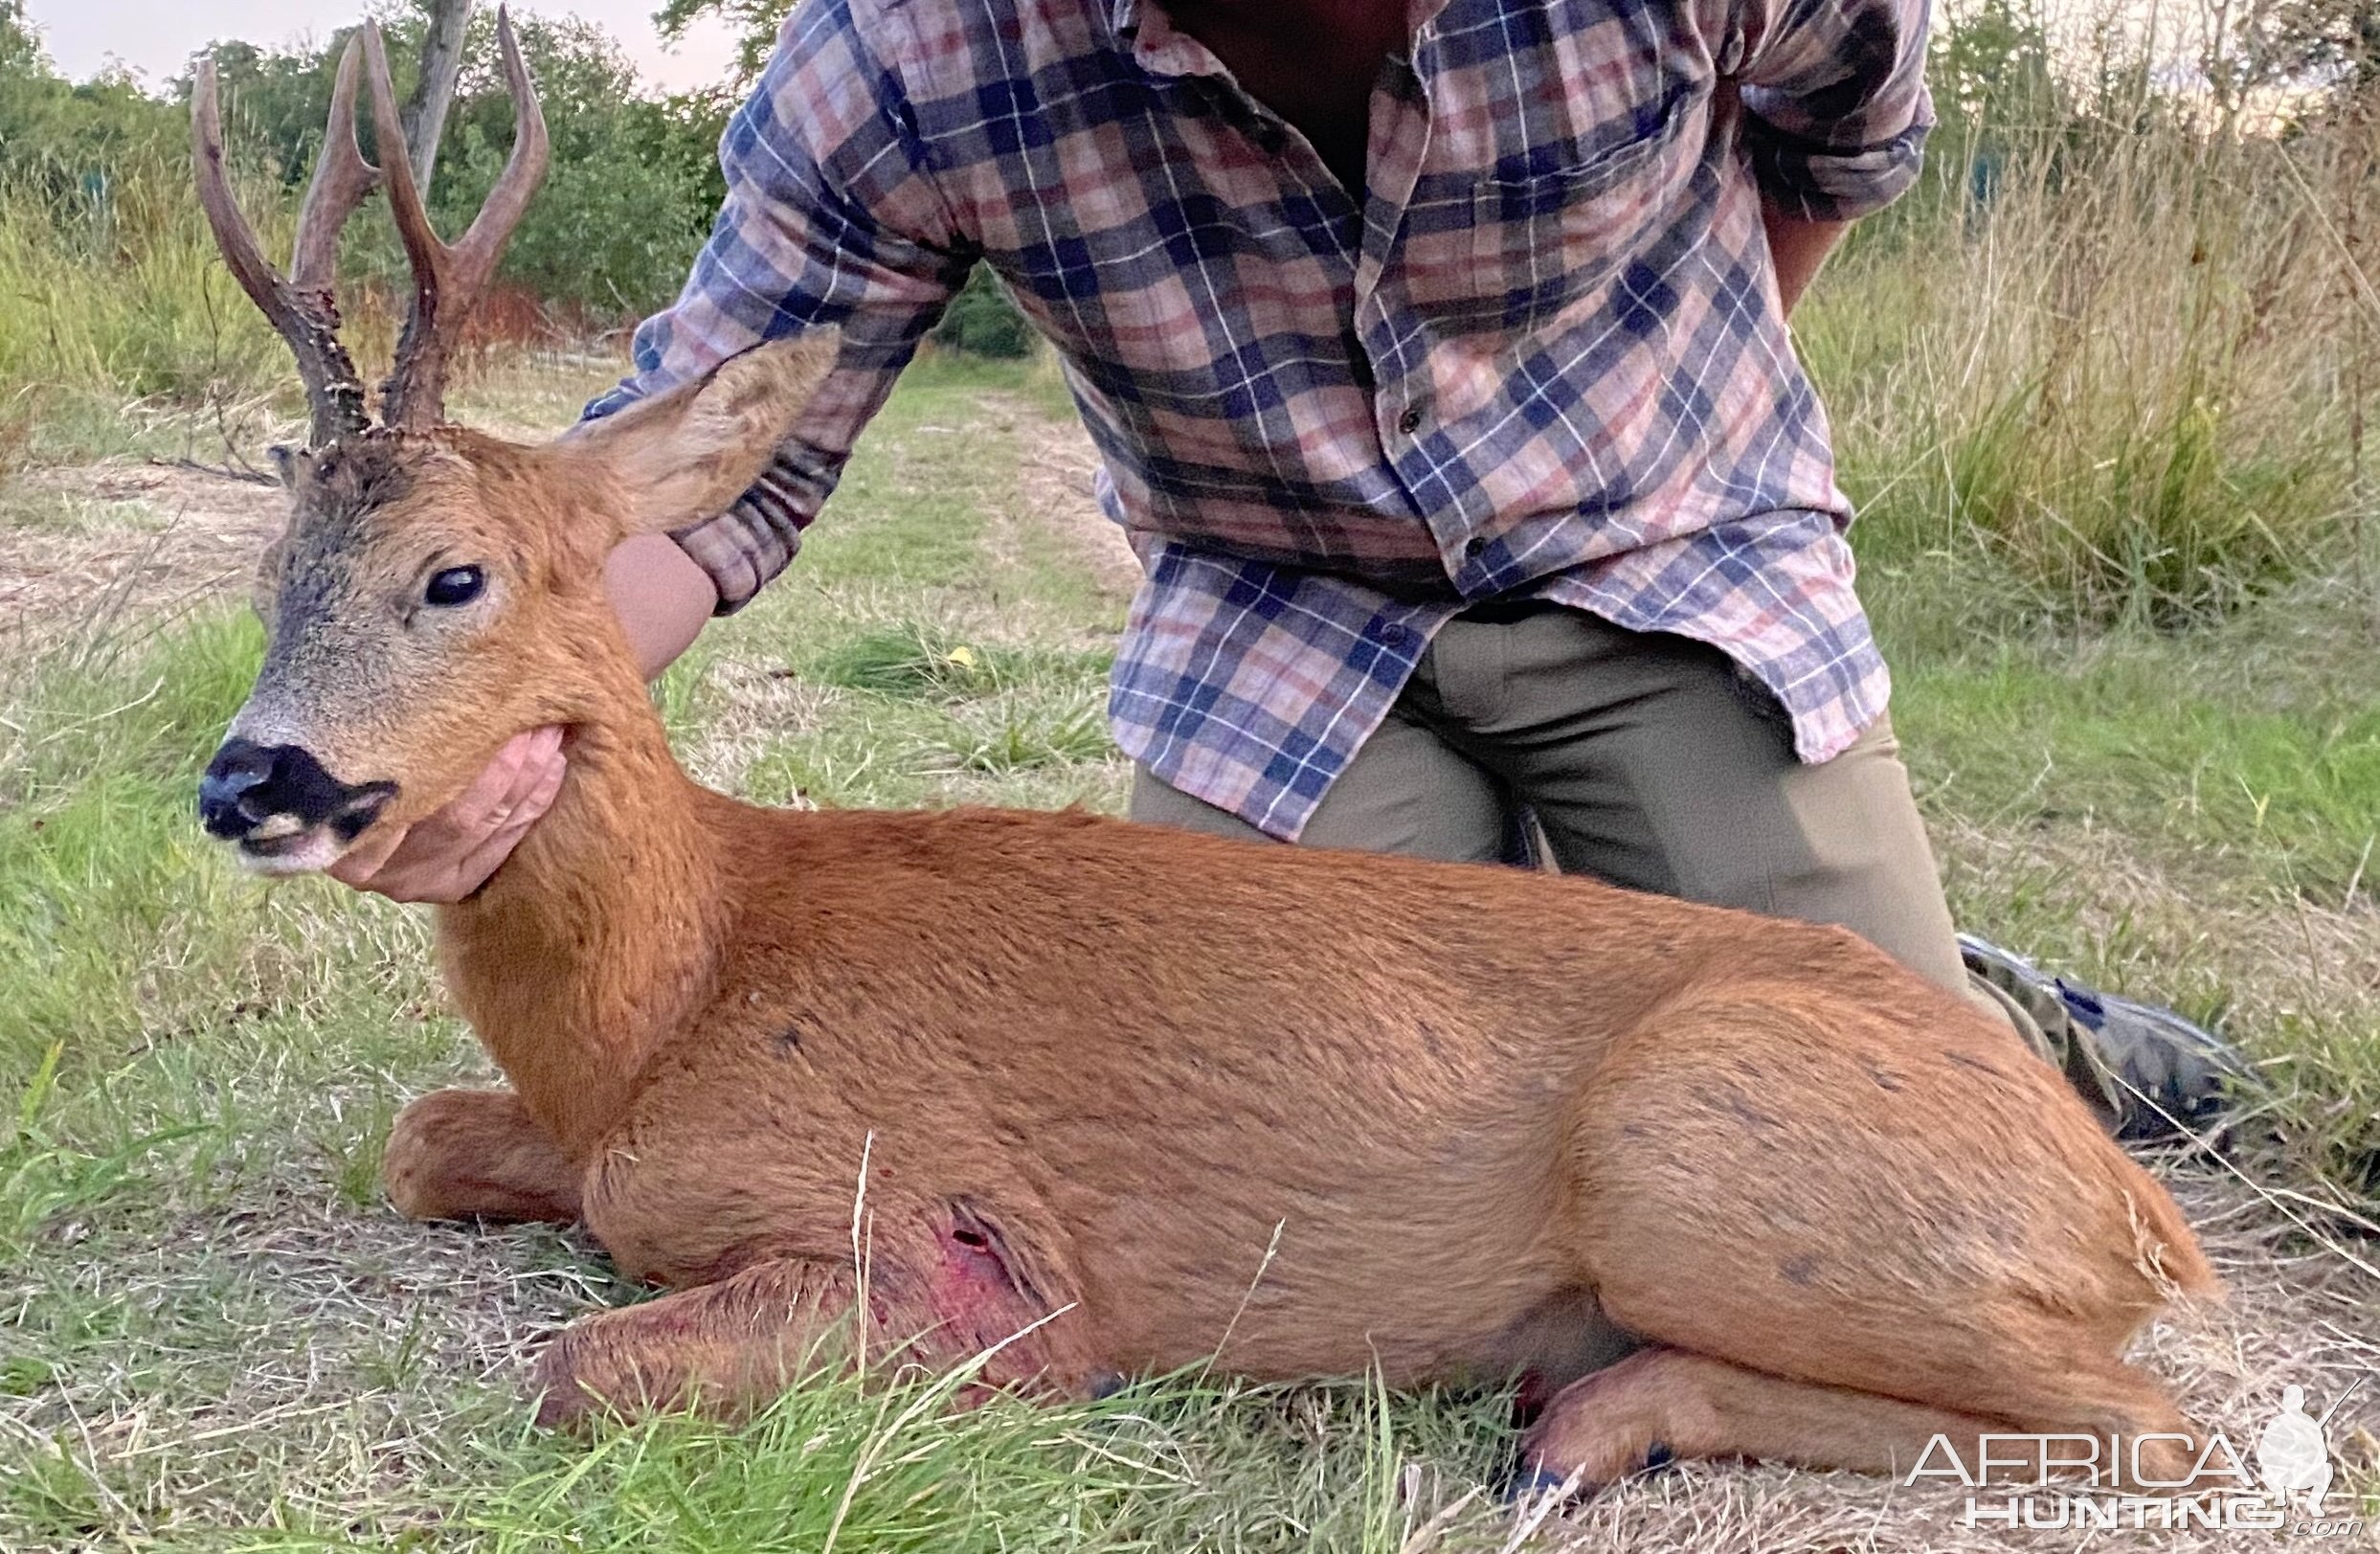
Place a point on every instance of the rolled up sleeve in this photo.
(830, 220)
(1837, 110)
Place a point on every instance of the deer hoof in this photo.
(1534, 1483)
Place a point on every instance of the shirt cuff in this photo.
(748, 545)
(1818, 182)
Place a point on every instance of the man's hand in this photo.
(449, 854)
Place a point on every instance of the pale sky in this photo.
(156, 38)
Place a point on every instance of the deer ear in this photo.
(684, 456)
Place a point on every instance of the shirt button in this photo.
(1393, 635)
(1473, 546)
(1409, 422)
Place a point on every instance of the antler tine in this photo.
(342, 181)
(449, 281)
(303, 315)
(525, 169)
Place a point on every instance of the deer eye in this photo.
(455, 585)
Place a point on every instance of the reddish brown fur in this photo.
(1172, 1098)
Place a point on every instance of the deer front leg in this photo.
(476, 1154)
(731, 1348)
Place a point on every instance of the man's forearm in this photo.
(662, 598)
(1797, 248)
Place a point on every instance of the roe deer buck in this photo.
(1142, 1097)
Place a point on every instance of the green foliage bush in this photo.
(635, 181)
(633, 189)
(982, 321)
(59, 139)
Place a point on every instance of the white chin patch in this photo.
(308, 852)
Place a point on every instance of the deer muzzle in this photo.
(283, 808)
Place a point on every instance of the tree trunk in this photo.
(441, 61)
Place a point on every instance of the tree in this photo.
(632, 189)
(60, 138)
(20, 51)
(434, 89)
(273, 101)
(2316, 44)
(280, 97)
(1991, 66)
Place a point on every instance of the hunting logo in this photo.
(2072, 1480)
(2293, 1456)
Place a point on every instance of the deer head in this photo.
(437, 591)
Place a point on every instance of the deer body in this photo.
(1066, 1098)
(1320, 1111)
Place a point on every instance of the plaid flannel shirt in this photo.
(1540, 355)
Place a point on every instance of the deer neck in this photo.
(602, 934)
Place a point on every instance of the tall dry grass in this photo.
(2132, 366)
(114, 295)
(117, 314)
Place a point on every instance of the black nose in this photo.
(225, 806)
(248, 783)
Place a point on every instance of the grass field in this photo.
(213, 1334)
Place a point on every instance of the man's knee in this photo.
(1871, 866)
(1725, 814)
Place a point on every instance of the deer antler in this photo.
(303, 308)
(449, 282)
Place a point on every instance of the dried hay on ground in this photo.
(138, 545)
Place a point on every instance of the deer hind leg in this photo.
(1775, 1197)
(1664, 1405)
(476, 1154)
(730, 1347)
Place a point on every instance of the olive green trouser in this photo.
(1650, 761)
